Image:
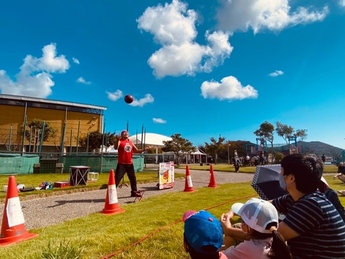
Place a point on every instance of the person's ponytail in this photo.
(279, 248)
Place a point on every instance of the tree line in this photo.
(219, 148)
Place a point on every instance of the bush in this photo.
(278, 157)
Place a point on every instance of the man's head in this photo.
(124, 134)
(306, 170)
(203, 234)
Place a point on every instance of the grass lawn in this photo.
(151, 228)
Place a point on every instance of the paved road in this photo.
(42, 212)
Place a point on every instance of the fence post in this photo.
(23, 137)
(42, 135)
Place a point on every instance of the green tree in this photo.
(266, 131)
(284, 131)
(95, 139)
(34, 130)
(179, 146)
(301, 134)
(278, 157)
(215, 147)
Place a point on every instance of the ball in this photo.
(129, 98)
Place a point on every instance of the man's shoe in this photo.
(136, 194)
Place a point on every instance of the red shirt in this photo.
(125, 152)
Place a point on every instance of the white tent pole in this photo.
(156, 154)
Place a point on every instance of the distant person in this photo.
(341, 172)
(332, 196)
(125, 149)
(259, 225)
(247, 160)
(312, 225)
(323, 157)
(203, 235)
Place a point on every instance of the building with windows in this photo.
(70, 120)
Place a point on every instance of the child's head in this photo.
(261, 220)
(257, 214)
(203, 234)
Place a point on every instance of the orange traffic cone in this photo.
(188, 187)
(212, 179)
(12, 228)
(111, 202)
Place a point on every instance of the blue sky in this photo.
(199, 68)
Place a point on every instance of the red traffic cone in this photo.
(188, 187)
(111, 202)
(12, 228)
(212, 179)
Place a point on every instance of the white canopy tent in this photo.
(196, 156)
(150, 139)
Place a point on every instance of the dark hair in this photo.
(211, 252)
(279, 249)
(306, 169)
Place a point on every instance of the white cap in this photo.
(257, 214)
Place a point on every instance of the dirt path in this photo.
(42, 212)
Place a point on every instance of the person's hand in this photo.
(225, 219)
(229, 215)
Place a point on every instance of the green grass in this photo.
(243, 169)
(151, 228)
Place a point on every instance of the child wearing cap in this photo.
(203, 235)
(259, 224)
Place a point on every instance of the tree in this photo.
(95, 139)
(278, 157)
(301, 134)
(266, 131)
(179, 146)
(38, 127)
(215, 147)
(284, 131)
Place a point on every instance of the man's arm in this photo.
(140, 150)
(286, 231)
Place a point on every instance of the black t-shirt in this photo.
(341, 169)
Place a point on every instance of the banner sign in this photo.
(166, 175)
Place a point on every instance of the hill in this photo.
(318, 148)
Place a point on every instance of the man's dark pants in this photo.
(121, 169)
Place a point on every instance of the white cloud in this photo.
(75, 60)
(115, 95)
(159, 120)
(342, 3)
(82, 81)
(265, 14)
(35, 75)
(229, 88)
(276, 73)
(173, 27)
(141, 102)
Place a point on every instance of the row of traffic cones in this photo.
(189, 184)
(13, 227)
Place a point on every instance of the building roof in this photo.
(42, 100)
(150, 139)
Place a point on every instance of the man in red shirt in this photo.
(125, 149)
